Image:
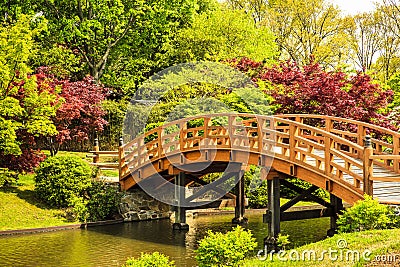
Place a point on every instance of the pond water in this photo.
(111, 245)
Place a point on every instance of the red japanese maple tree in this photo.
(311, 90)
(81, 113)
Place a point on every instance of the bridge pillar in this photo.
(274, 212)
(180, 212)
(337, 206)
(240, 201)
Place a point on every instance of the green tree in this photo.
(388, 62)
(10, 10)
(257, 8)
(307, 29)
(26, 108)
(146, 48)
(223, 34)
(94, 28)
(366, 40)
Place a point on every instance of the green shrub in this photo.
(255, 188)
(7, 177)
(367, 214)
(258, 197)
(78, 210)
(155, 259)
(283, 241)
(100, 202)
(103, 201)
(61, 178)
(230, 249)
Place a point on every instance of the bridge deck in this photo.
(384, 191)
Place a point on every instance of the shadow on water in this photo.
(158, 232)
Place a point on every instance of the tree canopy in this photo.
(69, 68)
(223, 34)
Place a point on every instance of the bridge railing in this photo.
(333, 147)
(320, 150)
(385, 142)
(222, 131)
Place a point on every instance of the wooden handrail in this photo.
(286, 136)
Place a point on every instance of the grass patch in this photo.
(379, 242)
(20, 209)
(109, 173)
(299, 204)
(82, 155)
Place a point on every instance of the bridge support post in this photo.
(180, 212)
(274, 212)
(337, 206)
(240, 201)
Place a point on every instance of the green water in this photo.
(112, 245)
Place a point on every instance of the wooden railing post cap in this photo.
(367, 141)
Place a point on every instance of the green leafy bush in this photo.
(230, 249)
(7, 177)
(256, 189)
(258, 197)
(367, 214)
(103, 201)
(283, 241)
(61, 178)
(155, 259)
(100, 202)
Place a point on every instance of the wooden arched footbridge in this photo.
(328, 152)
(345, 157)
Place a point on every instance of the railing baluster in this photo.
(231, 123)
(260, 126)
(207, 121)
(368, 169)
(182, 135)
(293, 132)
(159, 141)
(396, 152)
(328, 155)
(328, 125)
(121, 161)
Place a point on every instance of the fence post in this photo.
(121, 161)
(368, 169)
(96, 148)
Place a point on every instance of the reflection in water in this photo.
(112, 245)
